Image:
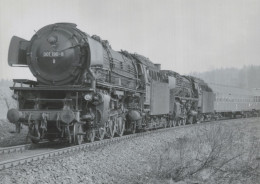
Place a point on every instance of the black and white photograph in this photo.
(130, 92)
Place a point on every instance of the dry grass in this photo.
(212, 154)
(6, 101)
(8, 137)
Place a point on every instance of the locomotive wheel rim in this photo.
(107, 129)
(101, 133)
(33, 132)
(91, 135)
(78, 139)
(133, 127)
(120, 127)
(116, 124)
(191, 120)
(170, 124)
(174, 123)
(111, 128)
(164, 123)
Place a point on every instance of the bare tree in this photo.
(218, 154)
(6, 102)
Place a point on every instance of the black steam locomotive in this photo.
(87, 91)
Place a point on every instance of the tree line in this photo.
(246, 77)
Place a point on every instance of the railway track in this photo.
(47, 154)
(22, 148)
(15, 162)
(14, 149)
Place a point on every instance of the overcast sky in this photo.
(183, 35)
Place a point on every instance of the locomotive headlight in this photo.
(88, 97)
(67, 116)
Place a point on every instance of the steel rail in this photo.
(19, 148)
(20, 161)
(14, 149)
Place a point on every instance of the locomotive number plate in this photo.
(52, 54)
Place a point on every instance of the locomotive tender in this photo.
(87, 91)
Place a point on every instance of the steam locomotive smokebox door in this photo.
(59, 54)
(17, 51)
(160, 96)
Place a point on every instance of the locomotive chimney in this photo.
(158, 66)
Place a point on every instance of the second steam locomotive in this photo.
(87, 91)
